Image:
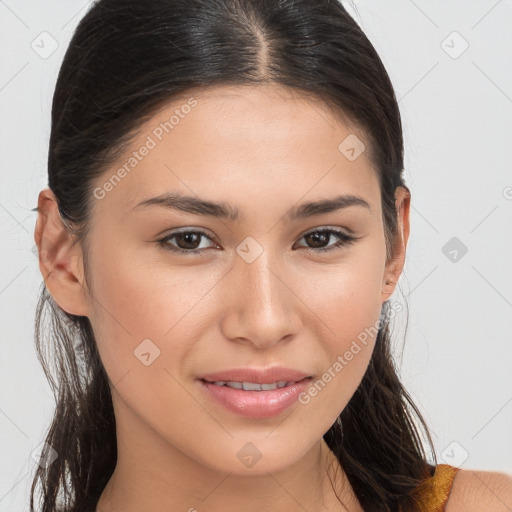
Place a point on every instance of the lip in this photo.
(255, 404)
(262, 376)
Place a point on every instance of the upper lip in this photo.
(258, 376)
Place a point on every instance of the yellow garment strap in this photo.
(436, 489)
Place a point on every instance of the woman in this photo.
(225, 223)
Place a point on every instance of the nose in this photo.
(261, 306)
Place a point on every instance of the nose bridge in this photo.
(262, 285)
(262, 277)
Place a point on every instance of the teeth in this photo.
(250, 386)
(253, 386)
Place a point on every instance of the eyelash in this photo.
(343, 241)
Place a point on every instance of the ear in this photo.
(396, 263)
(60, 260)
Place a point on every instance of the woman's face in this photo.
(257, 293)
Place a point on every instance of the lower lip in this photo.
(256, 404)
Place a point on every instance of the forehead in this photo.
(229, 141)
(264, 110)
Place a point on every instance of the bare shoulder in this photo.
(476, 490)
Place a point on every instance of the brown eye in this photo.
(187, 242)
(320, 237)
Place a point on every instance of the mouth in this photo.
(254, 400)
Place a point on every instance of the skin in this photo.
(177, 450)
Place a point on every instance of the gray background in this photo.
(451, 65)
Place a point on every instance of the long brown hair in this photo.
(126, 59)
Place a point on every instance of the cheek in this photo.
(347, 306)
(345, 296)
(136, 298)
(139, 319)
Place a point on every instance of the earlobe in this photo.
(387, 289)
(60, 260)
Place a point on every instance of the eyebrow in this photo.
(194, 205)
